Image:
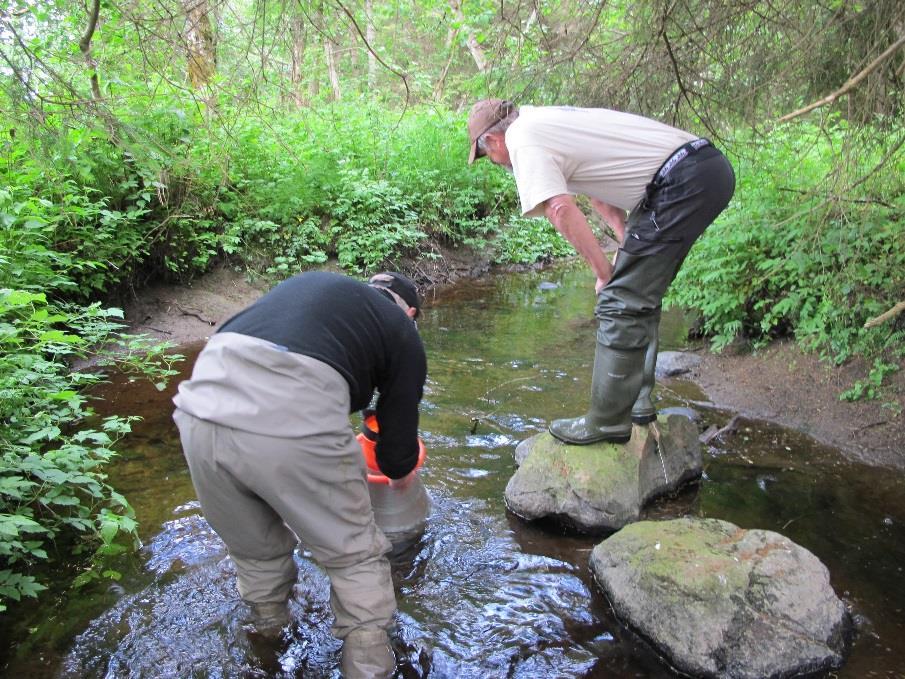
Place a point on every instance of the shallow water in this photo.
(482, 594)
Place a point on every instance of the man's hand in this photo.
(599, 285)
(405, 481)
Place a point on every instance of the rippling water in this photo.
(481, 594)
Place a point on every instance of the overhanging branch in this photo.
(850, 84)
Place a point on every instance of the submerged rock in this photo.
(720, 601)
(603, 486)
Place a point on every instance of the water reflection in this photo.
(481, 594)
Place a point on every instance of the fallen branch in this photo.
(192, 313)
(151, 327)
(849, 85)
(713, 432)
(882, 318)
(868, 426)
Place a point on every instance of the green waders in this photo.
(644, 411)
(680, 203)
(615, 383)
(626, 354)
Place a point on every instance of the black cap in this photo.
(399, 284)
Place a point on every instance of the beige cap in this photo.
(484, 115)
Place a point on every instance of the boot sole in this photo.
(644, 419)
(621, 438)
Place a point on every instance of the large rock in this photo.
(603, 486)
(720, 601)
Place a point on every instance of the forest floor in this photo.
(779, 384)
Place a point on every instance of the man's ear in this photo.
(411, 312)
(496, 137)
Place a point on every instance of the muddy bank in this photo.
(779, 384)
(782, 384)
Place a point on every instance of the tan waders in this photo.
(367, 653)
(263, 494)
(270, 619)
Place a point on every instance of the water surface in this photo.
(482, 594)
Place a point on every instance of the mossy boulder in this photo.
(720, 601)
(603, 486)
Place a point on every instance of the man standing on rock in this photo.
(673, 184)
(264, 423)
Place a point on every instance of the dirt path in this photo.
(779, 384)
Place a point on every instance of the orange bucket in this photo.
(368, 441)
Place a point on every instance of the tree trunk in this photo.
(85, 47)
(297, 31)
(441, 81)
(470, 40)
(370, 36)
(330, 54)
(200, 43)
(314, 81)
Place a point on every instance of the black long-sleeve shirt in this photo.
(360, 332)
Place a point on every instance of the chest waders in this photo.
(691, 189)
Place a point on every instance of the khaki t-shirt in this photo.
(595, 152)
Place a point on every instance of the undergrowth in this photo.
(808, 248)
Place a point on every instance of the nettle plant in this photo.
(525, 241)
(53, 450)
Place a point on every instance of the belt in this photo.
(679, 155)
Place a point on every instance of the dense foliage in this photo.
(52, 449)
(794, 255)
(149, 141)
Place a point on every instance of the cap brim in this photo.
(473, 154)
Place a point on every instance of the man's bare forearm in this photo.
(569, 220)
(613, 216)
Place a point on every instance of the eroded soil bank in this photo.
(780, 384)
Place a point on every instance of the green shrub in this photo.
(788, 260)
(52, 451)
(373, 221)
(350, 180)
(525, 241)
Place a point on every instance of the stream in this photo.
(482, 594)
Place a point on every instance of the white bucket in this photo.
(400, 514)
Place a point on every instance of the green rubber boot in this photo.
(615, 384)
(644, 411)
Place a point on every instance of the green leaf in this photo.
(108, 531)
